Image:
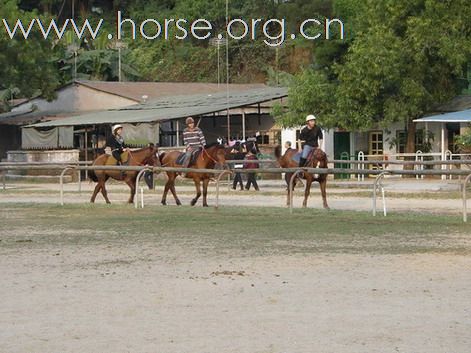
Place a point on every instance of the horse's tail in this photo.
(278, 152)
(92, 175)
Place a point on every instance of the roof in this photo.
(173, 108)
(155, 90)
(31, 116)
(130, 90)
(456, 117)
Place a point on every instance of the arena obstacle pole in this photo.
(375, 187)
(465, 201)
(136, 188)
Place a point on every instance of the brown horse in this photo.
(318, 159)
(208, 158)
(144, 156)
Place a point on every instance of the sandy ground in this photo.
(144, 299)
(140, 297)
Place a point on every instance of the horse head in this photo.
(152, 157)
(217, 154)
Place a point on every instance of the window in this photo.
(376, 142)
(401, 141)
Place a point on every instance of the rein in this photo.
(211, 158)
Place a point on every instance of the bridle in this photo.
(209, 156)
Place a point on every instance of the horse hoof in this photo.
(163, 203)
(205, 205)
(179, 203)
(193, 202)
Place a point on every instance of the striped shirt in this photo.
(193, 139)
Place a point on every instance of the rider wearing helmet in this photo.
(116, 142)
(311, 135)
(193, 139)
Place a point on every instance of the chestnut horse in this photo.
(144, 156)
(208, 158)
(318, 159)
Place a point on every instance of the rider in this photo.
(311, 135)
(116, 142)
(193, 139)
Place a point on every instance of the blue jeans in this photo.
(306, 150)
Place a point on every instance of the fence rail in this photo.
(219, 173)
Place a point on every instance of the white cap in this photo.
(310, 117)
(116, 127)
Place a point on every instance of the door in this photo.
(341, 151)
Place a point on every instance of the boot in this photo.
(302, 162)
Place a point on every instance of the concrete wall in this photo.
(77, 98)
(58, 156)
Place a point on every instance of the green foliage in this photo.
(404, 58)
(463, 141)
(25, 64)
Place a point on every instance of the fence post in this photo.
(448, 157)
(465, 201)
(419, 158)
(4, 173)
(361, 166)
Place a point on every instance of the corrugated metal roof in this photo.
(155, 90)
(456, 117)
(173, 108)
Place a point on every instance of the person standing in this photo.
(311, 137)
(249, 164)
(193, 139)
(238, 155)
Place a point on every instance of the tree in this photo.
(404, 58)
(25, 63)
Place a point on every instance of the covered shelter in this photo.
(218, 113)
(462, 119)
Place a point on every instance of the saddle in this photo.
(112, 161)
(194, 156)
(296, 158)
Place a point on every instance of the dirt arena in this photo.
(100, 278)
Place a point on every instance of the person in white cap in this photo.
(311, 137)
(116, 142)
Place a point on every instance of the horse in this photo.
(144, 156)
(316, 159)
(208, 158)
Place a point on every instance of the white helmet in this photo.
(116, 127)
(310, 117)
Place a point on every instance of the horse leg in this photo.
(95, 192)
(288, 179)
(174, 193)
(132, 185)
(307, 191)
(205, 191)
(164, 195)
(198, 192)
(104, 192)
(323, 184)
